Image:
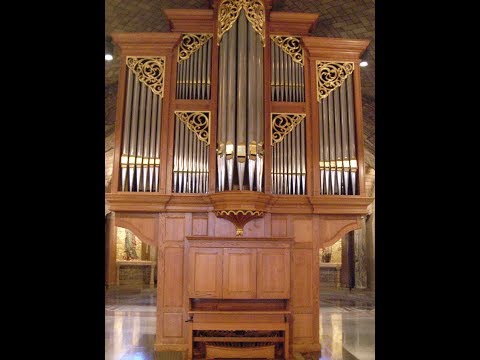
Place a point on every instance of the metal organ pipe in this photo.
(146, 141)
(133, 135)
(241, 97)
(351, 133)
(251, 108)
(231, 90)
(259, 113)
(126, 132)
(141, 135)
(153, 142)
(222, 114)
(337, 151)
(241, 93)
(344, 126)
(338, 142)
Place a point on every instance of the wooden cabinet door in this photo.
(239, 274)
(273, 276)
(205, 272)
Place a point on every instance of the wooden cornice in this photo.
(190, 20)
(334, 48)
(340, 204)
(292, 23)
(267, 3)
(239, 200)
(137, 202)
(152, 43)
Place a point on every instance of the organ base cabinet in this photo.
(238, 155)
(250, 282)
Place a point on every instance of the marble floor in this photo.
(347, 325)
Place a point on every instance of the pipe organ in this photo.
(238, 155)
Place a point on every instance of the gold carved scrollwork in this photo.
(191, 43)
(291, 46)
(150, 71)
(198, 122)
(239, 217)
(331, 75)
(282, 124)
(229, 10)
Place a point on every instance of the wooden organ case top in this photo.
(238, 154)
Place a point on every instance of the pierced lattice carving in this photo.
(198, 122)
(150, 71)
(331, 75)
(282, 124)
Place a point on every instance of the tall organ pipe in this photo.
(259, 115)
(222, 113)
(209, 65)
(241, 97)
(320, 137)
(153, 140)
(231, 88)
(344, 126)
(351, 133)
(146, 141)
(326, 145)
(133, 134)
(331, 135)
(141, 129)
(126, 132)
(176, 156)
(338, 139)
(157, 145)
(252, 102)
(303, 156)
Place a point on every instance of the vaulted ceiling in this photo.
(354, 19)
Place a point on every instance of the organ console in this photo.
(238, 155)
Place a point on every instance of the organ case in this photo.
(238, 154)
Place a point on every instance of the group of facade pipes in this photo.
(240, 124)
(140, 160)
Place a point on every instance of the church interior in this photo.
(240, 179)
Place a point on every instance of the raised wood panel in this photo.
(302, 326)
(279, 227)
(302, 230)
(205, 272)
(239, 274)
(254, 227)
(302, 278)
(173, 294)
(172, 325)
(200, 226)
(174, 228)
(224, 228)
(273, 273)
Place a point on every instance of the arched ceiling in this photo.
(354, 19)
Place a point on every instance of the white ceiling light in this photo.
(108, 50)
(363, 63)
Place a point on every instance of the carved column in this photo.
(110, 249)
(360, 257)
(370, 237)
(347, 272)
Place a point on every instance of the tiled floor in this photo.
(347, 325)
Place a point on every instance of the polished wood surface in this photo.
(205, 272)
(190, 20)
(273, 275)
(292, 23)
(260, 352)
(239, 273)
